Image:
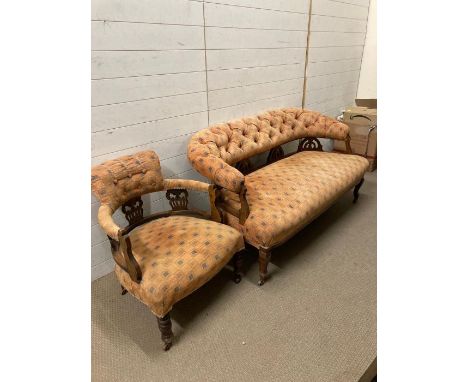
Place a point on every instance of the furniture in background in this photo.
(161, 258)
(272, 203)
(362, 123)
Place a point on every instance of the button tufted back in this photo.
(228, 143)
(116, 181)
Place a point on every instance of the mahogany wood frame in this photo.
(122, 248)
(245, 166)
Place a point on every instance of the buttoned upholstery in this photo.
(212, 151)
(118, 180)
(287, 195)
(177, 255)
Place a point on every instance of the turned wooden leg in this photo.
(264, 256)
(123, 290)
(356, 190)
(165, 327)
(238, 262)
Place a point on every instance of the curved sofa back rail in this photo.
(212, 151)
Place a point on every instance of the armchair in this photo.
(163, 257)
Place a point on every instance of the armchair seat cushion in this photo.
(288, 194)
(177, 255)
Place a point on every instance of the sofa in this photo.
(270, 203)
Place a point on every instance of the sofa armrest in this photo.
(323, 126)
(229, 177)
(215, 169)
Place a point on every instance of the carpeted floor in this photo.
(314, 319)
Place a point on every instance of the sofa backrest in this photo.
(240, 139)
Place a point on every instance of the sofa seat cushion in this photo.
(177, 255)
(286, 195)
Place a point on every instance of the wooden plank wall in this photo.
(148, 91)
(338, 31)
(255, 55)
(162, 70)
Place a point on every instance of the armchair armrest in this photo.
(186, 183)
(195, 185)
(107, 223)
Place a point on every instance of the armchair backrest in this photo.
(116, 181)
(240, 139)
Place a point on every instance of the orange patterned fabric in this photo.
(116, 181)
(212, 151)
(186, 183)
(177, 255)
(286, 195)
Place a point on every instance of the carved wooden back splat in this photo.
(275, 154)
(244, 166)
(178, 199)
(133, 210)
(309, 144)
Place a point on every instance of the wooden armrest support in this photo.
(121, 246)
(133, 268)
(123, 256)
(240, 208)
(213, 193)
(348, 145)
(244, 210)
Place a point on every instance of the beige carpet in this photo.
(314, 320)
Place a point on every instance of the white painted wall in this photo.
(255, 55)
(338, 32)
(368, 79)
(162, 70)
(148, 91)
